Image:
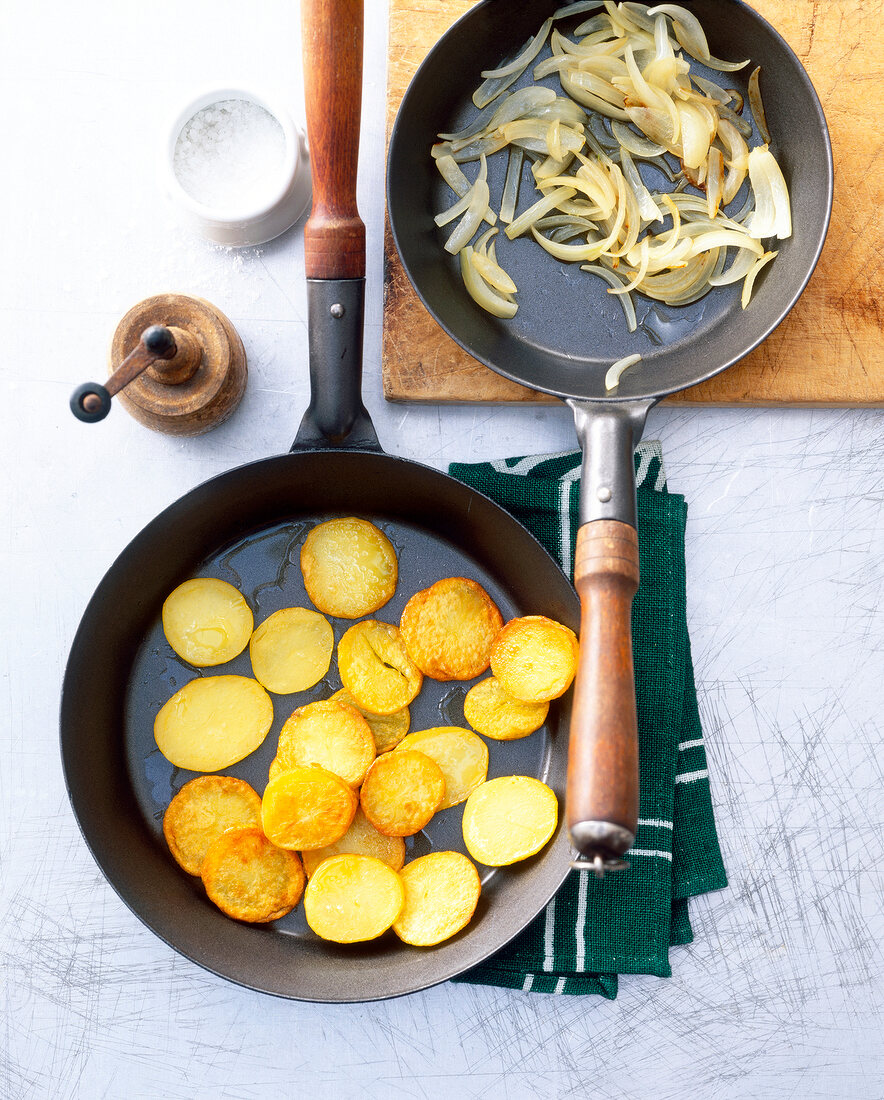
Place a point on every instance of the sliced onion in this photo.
(743, 261)
(614, 372)
(688, 31)
(492, 273)
(481, 292)
(750, 278)
(757, 107)
(516, 67)
(635, 143)
(580, 8)
(772, 215)
(646, 205)
(527, 219)
(471, 220)
(511, 183)
(714, 181)
(615, 281)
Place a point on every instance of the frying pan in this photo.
(568, 331)
(246, 526)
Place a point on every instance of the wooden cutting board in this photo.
(828, 351)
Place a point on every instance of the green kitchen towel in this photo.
(594, 930)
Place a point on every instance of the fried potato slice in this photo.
(330, 734)
(212, 722)
(535, 658)
(249, 878)
(349, 567)
(441, 893)
(207, 621)
(307, 807)
(276, 768)
(202, 810)
(509, 819)
(448, 629)
(361, 839)
(402, 791)
(375, 668)
(291, 650)
(492, 712)
(351, 898)
(460, 754)
(387, 729)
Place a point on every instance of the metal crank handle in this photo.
(92, 401)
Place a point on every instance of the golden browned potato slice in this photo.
(202, 810)
(207, 621)
(448, 629)
(460, 754)
(276, 768)
(349, 567)
(350, 898)
(213, 722)
(387, 729)
(361, 839)
(249, 878)
(307, 807)
(291, 650)
(330, 734)
(495, 714)
(535, 658)
(509, 819)
(441, 894)
(401, 792)
(375, 668)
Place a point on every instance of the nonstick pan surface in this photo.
(568, 330)
(246, 527)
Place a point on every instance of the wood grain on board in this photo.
(828, 352)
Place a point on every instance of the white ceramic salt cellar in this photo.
(253, 217)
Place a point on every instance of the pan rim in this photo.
(552, 877)
(647, 394)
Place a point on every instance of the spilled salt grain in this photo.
(230, 156)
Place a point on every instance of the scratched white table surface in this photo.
(780, 995)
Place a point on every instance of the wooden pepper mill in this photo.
(177, 365)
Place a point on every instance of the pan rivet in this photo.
(337, 310)
(604, 494)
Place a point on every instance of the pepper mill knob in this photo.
(183, 377)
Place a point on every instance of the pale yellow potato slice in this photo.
(387, 729)
(460, 754)
(402, 791)
(213, 722)
(291, 650)
(351, 898)
(361, 839)
(493, 713)
(509, 819)
(207, 621)
(307, 807)
(250, 879)
(202, 810)
(449, 627)
(535, 658)
(349, 567)
(441, 893)
(330, 734)
(375, 668)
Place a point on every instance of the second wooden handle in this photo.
(334, 236)
(602, 792)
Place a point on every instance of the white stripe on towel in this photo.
(690, 744)
(648, 852)
(580, 926)
(655, 822)
(529, 981)
(548, 933)
(560, 984)
(691, 777)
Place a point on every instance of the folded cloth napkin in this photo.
(593, 929)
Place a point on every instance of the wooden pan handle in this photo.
(334, 236)
(602, 795)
